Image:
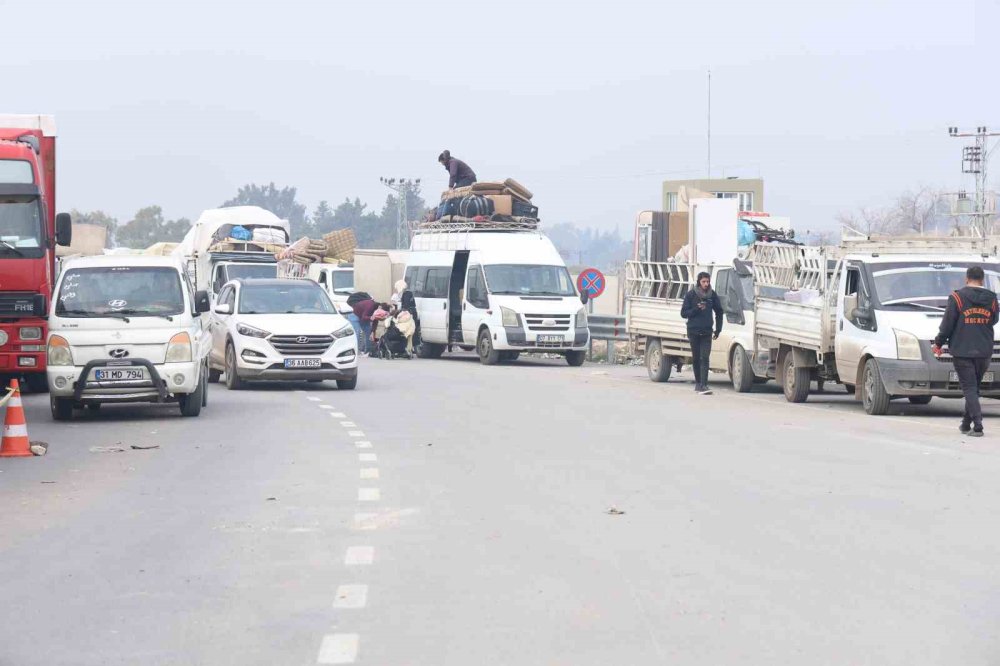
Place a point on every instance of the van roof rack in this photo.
(471, 224)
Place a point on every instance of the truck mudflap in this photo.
(934, 378)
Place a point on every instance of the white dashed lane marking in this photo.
(313, 398)
(367, 457)
(326, 406)
(359, 556)
(355, 433)
(338, 649)
(351, 596)
(349, 424)
(369, 495)
(338, 415)
(365, 521)
(364, 445)
(369, 472)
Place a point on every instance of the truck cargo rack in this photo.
(660, 280)
(791, 267)
(915, 245)
(523, 224)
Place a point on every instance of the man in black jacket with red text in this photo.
(967, 328)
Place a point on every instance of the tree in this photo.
(323, 218)
(148, 227)
(920, 211)
(98, 217)
(281, 202)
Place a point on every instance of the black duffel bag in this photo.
(524, 209)
(474, 205)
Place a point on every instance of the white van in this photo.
(500, 290)
(126, 329)
(337, 281)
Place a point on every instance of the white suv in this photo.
(280, 329)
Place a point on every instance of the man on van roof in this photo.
(460, 174)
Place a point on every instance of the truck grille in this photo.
(546, 323)
(301, 345)
(946, 357)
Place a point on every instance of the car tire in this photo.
(214, 376)
(657, 366)
(62, 408)
(37, 383)
(191, 403)
(740, 370)
(233, 380)
(509, 356)
(487, 354)
(576, 358)
(919, 399)
(430, 350)
(796, 380)
(874, 397)
(347, 384)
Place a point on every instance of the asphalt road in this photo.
(450, 513)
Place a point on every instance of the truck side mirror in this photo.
(850, 305)
(201, 301)
(223, 309)
(861, 314)
(64, 229)
(584, 296)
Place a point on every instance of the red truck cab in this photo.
(29, 232)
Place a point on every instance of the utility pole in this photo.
(402, 187)
(709, 174)
(975, 159)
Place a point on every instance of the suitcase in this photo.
(475, 205)
(449, 207)
(524, 209)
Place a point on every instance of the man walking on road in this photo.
(699, 305)
(967, 329)
(460, 174)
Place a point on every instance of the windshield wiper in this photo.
(10, 247)
(134, 312)
(913, 301)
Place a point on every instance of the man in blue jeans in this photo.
(363, 311)
(967, 329)
(699, 305)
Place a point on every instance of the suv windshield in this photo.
(292, 298)
(527, 280)
(21, 227)
(925, 286)
(116, 291)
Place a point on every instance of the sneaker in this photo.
(705, 391)
(965, 428)
(978, 432)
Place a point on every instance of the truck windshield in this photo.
(528, 280)
(21, 227)
(925, 286)
(343, 281)
(251, 271)
(291, 298)
(120, 291)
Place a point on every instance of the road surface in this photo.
(451, 513)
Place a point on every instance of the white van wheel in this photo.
(657, 366)
(487, 354)
(740, 370)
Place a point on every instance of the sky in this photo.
(590, 104)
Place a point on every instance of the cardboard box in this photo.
(677, 232)
(503, 204)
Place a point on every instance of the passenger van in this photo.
(126, 328)
(501, 289)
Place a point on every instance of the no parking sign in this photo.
(591, 281)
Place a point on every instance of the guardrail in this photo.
(610, 329)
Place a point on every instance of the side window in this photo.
(411, 277)
(418, 281)
(437, 282)
(231, 298)
(322, 278)
(220, 279)
(856, 296)
(224, 294)
(476, 288)
(722, 288)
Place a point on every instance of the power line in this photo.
(402, 187)
(975, 159)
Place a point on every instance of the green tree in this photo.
(97, 217)
(281, 202)
(323, 218)
(148, 227)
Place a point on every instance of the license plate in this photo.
(550, 338)
(119, 374)
(987, 377)
(302, 363)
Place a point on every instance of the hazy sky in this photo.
(590, 105)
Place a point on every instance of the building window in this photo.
(745, 199)
(671, 202)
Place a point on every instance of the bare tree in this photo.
(919, 211)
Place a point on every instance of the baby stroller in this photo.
(392, 344)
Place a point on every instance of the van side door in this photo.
(855, 323)
(475, 304)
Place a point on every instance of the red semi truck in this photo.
(29, 232)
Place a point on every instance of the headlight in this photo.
(4, 338)
(179, 349)
(250, 331)
(581, 318)
(343, 332)
(31, 333)
(59, 353)
(510, 318)
(907, 346)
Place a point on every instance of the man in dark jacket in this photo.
(699, 305)
(459, 173)
(967, 329)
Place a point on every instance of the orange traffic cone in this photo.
(15, 429)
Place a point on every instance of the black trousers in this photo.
(701, 347)
(465, 182)
(970, 377)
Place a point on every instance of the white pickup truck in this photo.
(864, 315)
